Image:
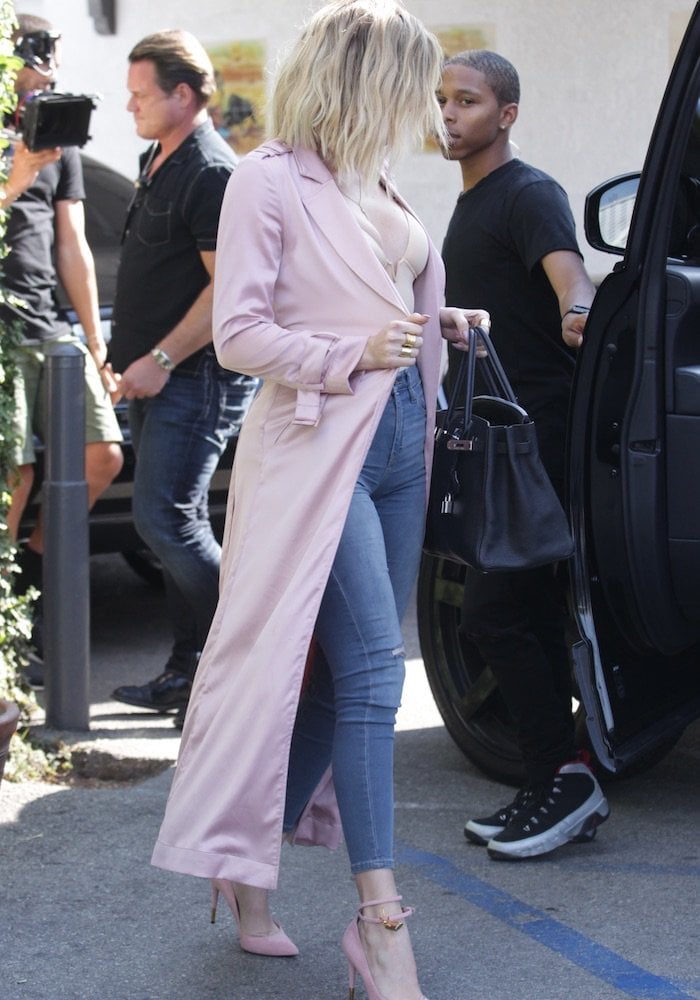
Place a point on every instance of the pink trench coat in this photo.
(297, 294)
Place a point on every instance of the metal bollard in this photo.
(66, 579)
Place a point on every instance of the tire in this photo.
(464, 688)
(466, 692)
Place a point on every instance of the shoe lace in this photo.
(517, 805)
(540, 800)
(522, 798)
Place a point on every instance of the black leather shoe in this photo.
(169, 691)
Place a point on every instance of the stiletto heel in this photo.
(276, 945)
(354, 951)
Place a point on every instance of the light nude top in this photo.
(394, 235)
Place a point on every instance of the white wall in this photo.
(592, 75)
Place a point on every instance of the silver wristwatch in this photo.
(162, 359)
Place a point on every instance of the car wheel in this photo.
(145, 564)
(466, 692)
(464, 688)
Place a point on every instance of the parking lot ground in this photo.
(84, 916)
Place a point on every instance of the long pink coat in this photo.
(297, 294)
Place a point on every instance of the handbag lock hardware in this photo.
(464, 444)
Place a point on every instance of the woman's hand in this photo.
(396, 345)
(455, 324)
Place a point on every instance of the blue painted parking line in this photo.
(596, 959)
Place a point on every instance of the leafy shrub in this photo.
(27, 761)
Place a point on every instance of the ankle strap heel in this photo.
(393, 921)
(353, 948)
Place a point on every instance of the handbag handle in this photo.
(491, 369)
(464, 383)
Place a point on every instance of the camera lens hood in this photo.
(49, 119)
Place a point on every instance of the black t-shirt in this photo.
(29, 270)
(175, 216)
(498, 234)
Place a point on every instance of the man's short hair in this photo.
(501, 75)
(178, 57)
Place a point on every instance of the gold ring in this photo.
(406, 351)
(410, 340)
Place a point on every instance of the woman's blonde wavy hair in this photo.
(359, 86)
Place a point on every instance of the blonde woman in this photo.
(327, 288)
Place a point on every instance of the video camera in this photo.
(44, 119)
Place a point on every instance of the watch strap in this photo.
(162, 359)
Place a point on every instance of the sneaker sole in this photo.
(481, 835)
(580, 827)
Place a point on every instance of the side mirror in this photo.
(608, 213)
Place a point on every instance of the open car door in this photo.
(634, 450)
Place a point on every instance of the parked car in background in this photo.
(108, 195)
(634, 478)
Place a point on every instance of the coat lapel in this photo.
(327, 207)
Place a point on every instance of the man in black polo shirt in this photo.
(511, 246)
(183, 407)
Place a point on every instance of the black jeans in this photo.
(517, 622)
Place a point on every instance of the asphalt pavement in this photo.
(83, 915)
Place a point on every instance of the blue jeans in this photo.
(347, 713)
(178, 438)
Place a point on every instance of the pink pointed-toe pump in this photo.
(275, 945)
(354, 951)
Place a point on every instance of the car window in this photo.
(615, 212)
(684, 240)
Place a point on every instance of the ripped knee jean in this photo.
(348, 711)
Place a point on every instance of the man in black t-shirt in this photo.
(511, 246)
(46, 236)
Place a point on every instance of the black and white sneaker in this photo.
(480, 831)
(569, 808)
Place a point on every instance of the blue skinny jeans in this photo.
(347, 713)
(178, 438)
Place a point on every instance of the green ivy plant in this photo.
(26, 761)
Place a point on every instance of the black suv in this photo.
(634, 478)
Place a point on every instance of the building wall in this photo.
(592, 75)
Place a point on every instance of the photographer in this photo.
(46, 235)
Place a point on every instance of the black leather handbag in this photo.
(492, 504)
